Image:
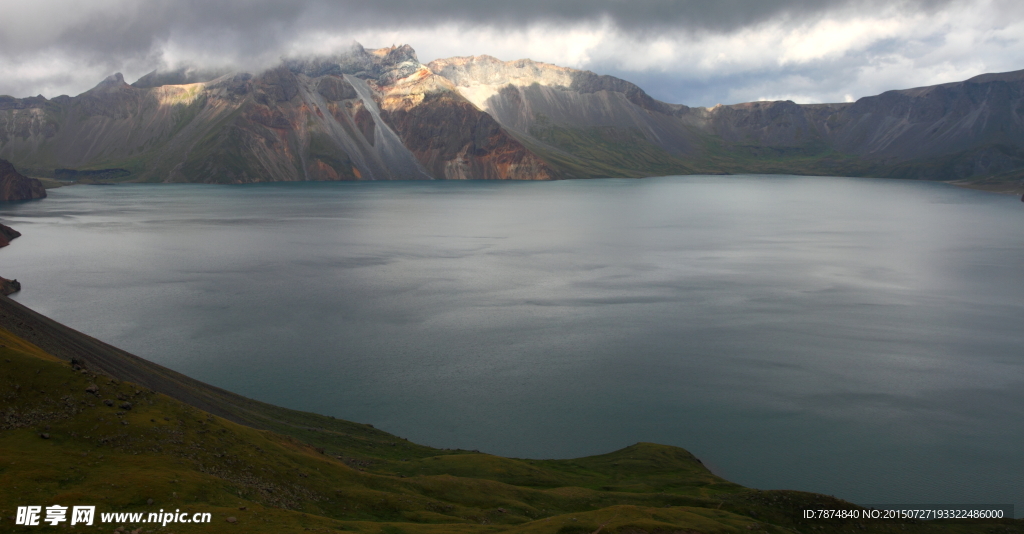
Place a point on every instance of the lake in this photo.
(855, 337)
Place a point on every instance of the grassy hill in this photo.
(80, 433)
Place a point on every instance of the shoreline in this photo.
(1002, 188)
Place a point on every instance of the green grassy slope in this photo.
(603, 152)
(71, 435)
(616, 152)
(620, 152)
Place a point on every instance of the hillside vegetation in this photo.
(72, 434)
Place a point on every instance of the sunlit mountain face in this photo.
(381, 114)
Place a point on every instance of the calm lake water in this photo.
(860, 338)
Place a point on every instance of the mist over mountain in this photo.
(381, 114)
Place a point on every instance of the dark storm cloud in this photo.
(63, 46)
(692, 15)
(259, 26)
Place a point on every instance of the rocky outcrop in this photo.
(14, 186)
(452, 138)
(9, 286)
(7, 234)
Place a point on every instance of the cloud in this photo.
(684, 51)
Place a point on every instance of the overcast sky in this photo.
(681, 51)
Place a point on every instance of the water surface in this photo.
(859, 338)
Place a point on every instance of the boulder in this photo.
(9, 286)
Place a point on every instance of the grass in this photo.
(143, 445)
(126, 448)
(601, 152)
(619, 152)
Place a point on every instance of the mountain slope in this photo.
(74, 436)
(381, 114)
(452, 138)
(368, 114)
(957, 130)
(585, 124)
(86, 436)
(969, 129)
(278, 126)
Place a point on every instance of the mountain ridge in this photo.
(373, 114)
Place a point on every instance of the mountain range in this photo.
(380, 114)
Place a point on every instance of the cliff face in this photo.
(382, 115)
(367, 114)
(450, 137)
(14, 186)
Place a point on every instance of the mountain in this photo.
(951, 131)
(380, 114)
(14, 186)
(368, 114)
(965, 130)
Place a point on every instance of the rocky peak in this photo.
(112, 82)
(384, 65)
(467, 71)
(478, 78)
(395, 63)
(395, 55)
(356, 61)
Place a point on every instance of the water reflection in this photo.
(854, 337)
